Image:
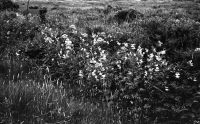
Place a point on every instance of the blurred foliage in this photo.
(8, 5)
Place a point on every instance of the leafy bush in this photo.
(8, 4)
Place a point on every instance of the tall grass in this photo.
(31, 102)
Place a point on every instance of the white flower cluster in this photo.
(97, 67)
(97, 57)
(66, 47)
(73, 27)
(98, 38)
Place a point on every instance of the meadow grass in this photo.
(27, 101)
(38, 99)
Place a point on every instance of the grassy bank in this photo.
(92, 66)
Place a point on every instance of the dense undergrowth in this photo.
(69, 71)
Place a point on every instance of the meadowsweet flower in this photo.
(49, 40)
(8, 33)
(160, 43)
(72, 26)
(151, 56)
(197, 49)
(68, 47)
(123, 48)
(103, 33)
(64, 36)
(94, 35)
(139, 50)
(145, 73)
(133, 46)
(102, 68)
(66, 55)
(20, 16)
(146, 50)
(87, 55)
(92, 61)
(100, 40)
(103, 76)
(162, 52)
(154, 49)
(130, 73)
(158, 58)
(84, 34)
(80, 74)
(157, 69)
(164, 62)
(94, 73)
(98, 64)
(190, 63)
(68, 41)
(118, 43)
(126, 44)
(139, 61)
(195, 79)
(177, 75)
(103, 55)
(177, 20)
(150, 69)
(166, 88)
(17, 53)
(109, 35)
(119, 66)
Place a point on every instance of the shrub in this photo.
(8, 4)
(33, 7)
(126, 15)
